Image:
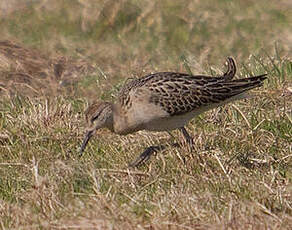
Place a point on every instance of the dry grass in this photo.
(28, 72)
(238, 177)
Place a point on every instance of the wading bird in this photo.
(166, 101)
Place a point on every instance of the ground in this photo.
(57, 57)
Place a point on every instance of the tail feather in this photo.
(245, 84)
(231, 69)
(259, 78)
(228, 89)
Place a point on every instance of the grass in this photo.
(58, 57)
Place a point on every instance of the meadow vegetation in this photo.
(56, 57)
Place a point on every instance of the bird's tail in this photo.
(235, 89)
(245, 84)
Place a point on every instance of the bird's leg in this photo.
(187, 137)
(145, 156)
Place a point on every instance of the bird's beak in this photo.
(87, 137)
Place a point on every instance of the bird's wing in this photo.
(180, 93)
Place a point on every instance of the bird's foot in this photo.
(145, 156)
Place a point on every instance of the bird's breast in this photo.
(141, 115)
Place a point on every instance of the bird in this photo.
(166, 101)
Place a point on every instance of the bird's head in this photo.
(98, 115)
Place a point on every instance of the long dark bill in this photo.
(87, 137)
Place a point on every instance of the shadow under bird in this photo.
(166, 101)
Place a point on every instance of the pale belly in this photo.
(171, 122)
